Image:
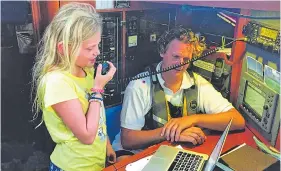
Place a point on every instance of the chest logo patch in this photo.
(193, 105)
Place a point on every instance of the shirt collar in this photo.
(187, 81)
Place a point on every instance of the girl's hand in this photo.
(102, 80)
(110, 153)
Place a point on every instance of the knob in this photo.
(265, 107)
(267, 115)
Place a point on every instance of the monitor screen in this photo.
(255, 99)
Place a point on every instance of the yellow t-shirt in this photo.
(70, 154)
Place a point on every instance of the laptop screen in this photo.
(214, 157)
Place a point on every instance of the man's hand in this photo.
(192, 134)
(110, 153)
(175, 126)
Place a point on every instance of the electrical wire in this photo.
(228, 17)
(148, 74)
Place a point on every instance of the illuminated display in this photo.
(272, 34)
(132, 41)
(255, 99)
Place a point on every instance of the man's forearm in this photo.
(132, 139)
(219, 121)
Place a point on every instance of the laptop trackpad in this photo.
(162, 159)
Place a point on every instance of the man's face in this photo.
(177, 52)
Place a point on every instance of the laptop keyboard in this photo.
(186, 161)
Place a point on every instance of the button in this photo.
(265, 107)
(267, 115)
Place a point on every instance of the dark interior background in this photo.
(25, 148)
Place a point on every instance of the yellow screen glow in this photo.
(268, 33)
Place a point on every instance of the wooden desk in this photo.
(233, 139)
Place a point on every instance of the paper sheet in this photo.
(139, 164)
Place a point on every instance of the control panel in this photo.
(259, 92)
(143, 29)
(263, 36)
(259, 104)
(110, 51)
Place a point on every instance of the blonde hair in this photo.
(73, 24)
(184, 35)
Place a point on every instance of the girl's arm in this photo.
(84, 127)
(110, 153)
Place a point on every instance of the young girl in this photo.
(66, 92)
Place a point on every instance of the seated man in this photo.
(169, 107)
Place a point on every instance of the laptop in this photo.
(168, 158)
